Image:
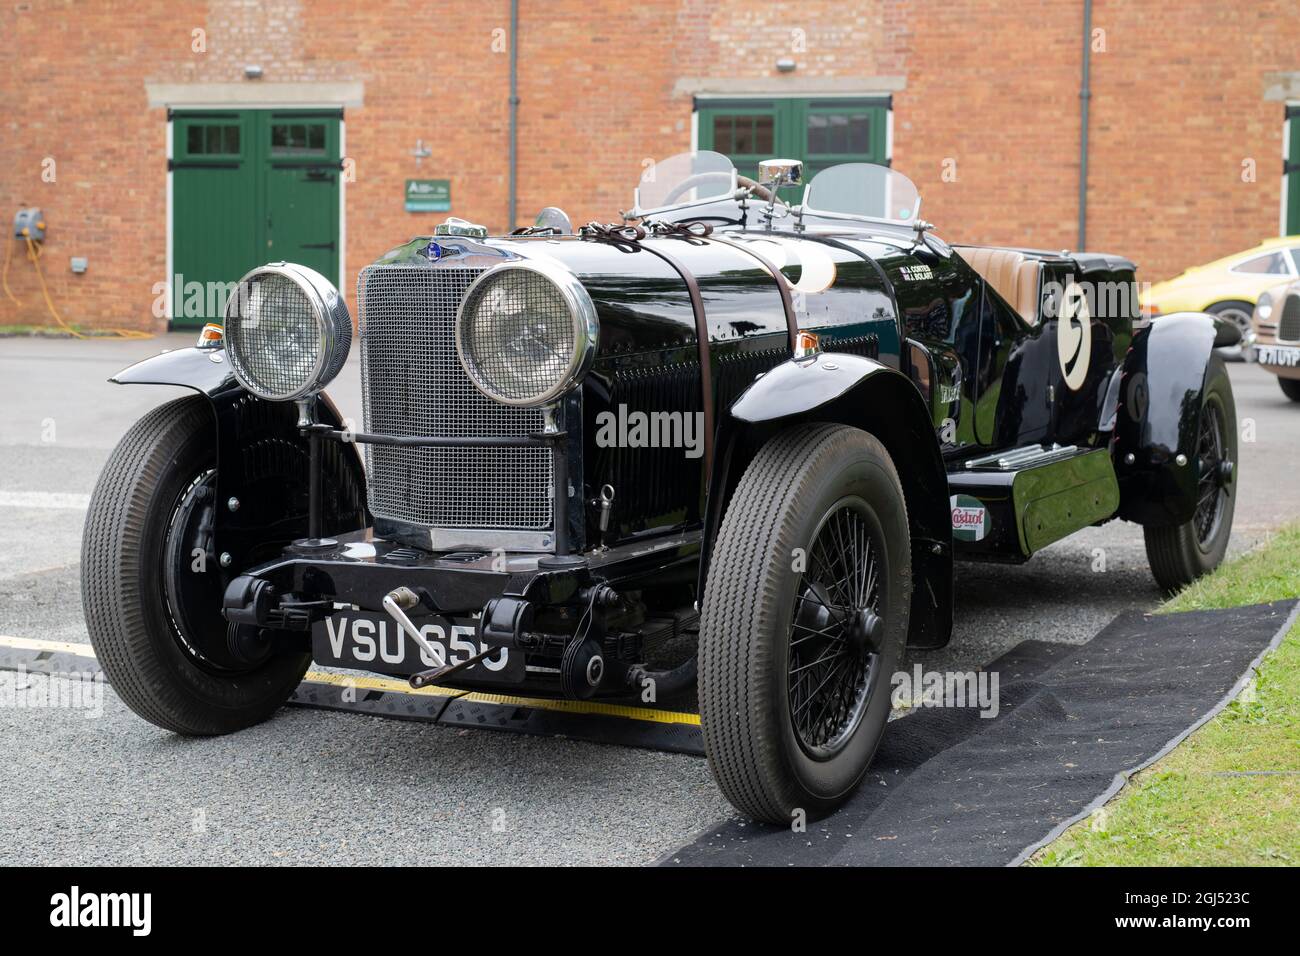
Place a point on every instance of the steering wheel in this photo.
(690, 182)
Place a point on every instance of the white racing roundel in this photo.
(1074, 336)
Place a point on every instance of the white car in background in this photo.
(1276, 323)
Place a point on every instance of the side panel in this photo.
(1088, 357)
(1157, 418)
(939, 310)
(642, 401)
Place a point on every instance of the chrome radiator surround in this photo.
(413, 384)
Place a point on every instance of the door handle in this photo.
(318, 245)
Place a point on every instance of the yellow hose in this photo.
(34, 253)
(9, 254)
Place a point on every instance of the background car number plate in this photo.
(1286, 355)
(374, 642)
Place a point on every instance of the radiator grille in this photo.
(413, 384)
(1288, 327)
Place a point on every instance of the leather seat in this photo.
(1015, 276)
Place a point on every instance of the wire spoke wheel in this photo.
(803, 619)
(834, 634)
(1215, 469)
(1180, 553)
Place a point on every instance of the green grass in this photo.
(1195, 807)
(58, 332)
(42, 331)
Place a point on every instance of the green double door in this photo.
(820, 132)
(250, 187)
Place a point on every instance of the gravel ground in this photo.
(319, 787)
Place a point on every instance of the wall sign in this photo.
(428, 195)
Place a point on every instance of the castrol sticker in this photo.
(970, 519)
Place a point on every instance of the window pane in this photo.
(1272, 264)
(212, 140)
(742, 134)
(297, 138)
(839, 133)
(722, 139)
(860, 134)
(817, 134)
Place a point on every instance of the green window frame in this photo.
(820, 131)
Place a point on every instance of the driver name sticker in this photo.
(970, 519)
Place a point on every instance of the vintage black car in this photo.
(728, 436)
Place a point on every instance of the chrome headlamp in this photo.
(287, 333)
(526, 332)
(1264, 308)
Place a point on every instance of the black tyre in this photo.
(1179, 554)
(1290, 388)
(803, 621)
(154, 616)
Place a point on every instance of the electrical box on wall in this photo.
(29, 224)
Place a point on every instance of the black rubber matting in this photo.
(950, 788)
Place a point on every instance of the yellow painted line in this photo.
(56, 647)
(586, 707)
(387, 684)
(395, 686)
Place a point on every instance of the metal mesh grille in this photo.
(413, 384)
(1288, 328)
(272, 336)
(518, 334)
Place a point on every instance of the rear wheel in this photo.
(152, 590)
(1179, 554)
(1290, 388)
(803, 622)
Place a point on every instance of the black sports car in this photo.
(729, 436)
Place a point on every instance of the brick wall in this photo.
(989, 97)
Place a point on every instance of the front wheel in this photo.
(1290, 388)
(152, 594)
(1179, 554)
(803, 622)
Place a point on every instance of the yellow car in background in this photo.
(1229, 287)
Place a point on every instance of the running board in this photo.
(1030, 456)
(1008, 505)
